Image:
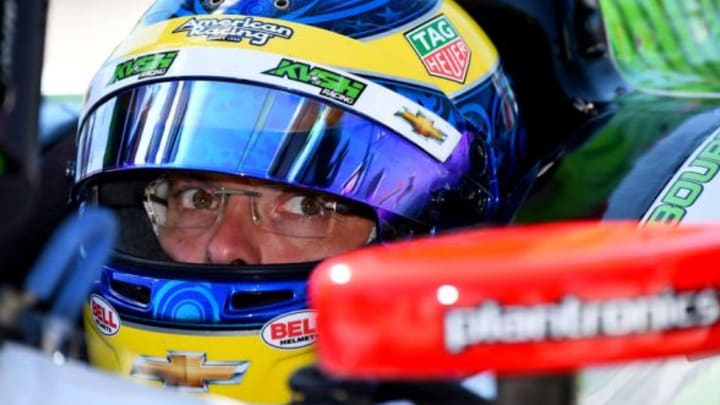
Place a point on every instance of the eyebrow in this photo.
(210, 181)
(193, 181)
(215, 179)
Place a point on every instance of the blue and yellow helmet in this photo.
(209, 86)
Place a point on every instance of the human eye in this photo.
(304, 205)
(196, 198)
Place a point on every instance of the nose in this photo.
(235, 238)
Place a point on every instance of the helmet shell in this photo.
(420, 76)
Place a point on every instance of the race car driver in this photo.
(240, 143)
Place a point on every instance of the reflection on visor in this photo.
(224, 126)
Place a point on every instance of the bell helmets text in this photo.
(291, 331)
(105, 317)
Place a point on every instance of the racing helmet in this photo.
(395, 108)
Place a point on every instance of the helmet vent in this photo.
(282, 4)
(212, 5)
(244, 300)
(132, 292)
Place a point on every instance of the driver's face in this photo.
(213, 219)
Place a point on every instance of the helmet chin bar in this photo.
(190, 271)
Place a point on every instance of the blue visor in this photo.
(259, 132)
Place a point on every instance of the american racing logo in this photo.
(257, 32)
(156, 64)
(105, 317)
(331, 84)
(290, 331)
(574, 319)
(442, 50)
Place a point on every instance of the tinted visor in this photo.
(258, 132)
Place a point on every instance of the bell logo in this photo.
(291, 331)
(105, 317)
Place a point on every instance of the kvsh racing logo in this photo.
(234, 30)
(331, 84)
(492, 323)
(156, 64)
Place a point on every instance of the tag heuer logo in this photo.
(442, 50)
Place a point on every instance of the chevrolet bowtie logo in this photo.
(189, 370)
(422, 125)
